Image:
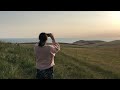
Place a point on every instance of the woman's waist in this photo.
(45, 68)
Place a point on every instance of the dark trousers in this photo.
(45, 74)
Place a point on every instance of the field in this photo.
(72, 62)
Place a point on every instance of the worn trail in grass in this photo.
(78, 69)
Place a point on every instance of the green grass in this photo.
(72, 62)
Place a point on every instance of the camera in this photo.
(48, 34)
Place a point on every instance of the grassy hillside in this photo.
(16, 62)
(115, 43)
(89, 42)
(72, 62)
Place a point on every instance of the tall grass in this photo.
(16, 62)
(72, 62)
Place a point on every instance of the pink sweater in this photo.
(45, 55)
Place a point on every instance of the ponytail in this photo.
(41, 43)
(42, 38)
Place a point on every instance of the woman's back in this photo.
(45, 55)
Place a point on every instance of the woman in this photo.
(45, 56)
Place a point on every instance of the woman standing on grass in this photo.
(45, 56)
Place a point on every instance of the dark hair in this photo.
(43, 39)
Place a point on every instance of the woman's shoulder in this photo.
(49, 46)
(36, 44)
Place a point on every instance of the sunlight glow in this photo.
(115, 15)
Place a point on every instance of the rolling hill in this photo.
(97, 43)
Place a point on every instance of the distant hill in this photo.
(115, 42)
(97, 43)
(84, 42)
(111, 43)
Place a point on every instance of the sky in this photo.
(63, 24)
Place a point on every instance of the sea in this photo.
(33, 40)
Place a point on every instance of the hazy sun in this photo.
(115, 15)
